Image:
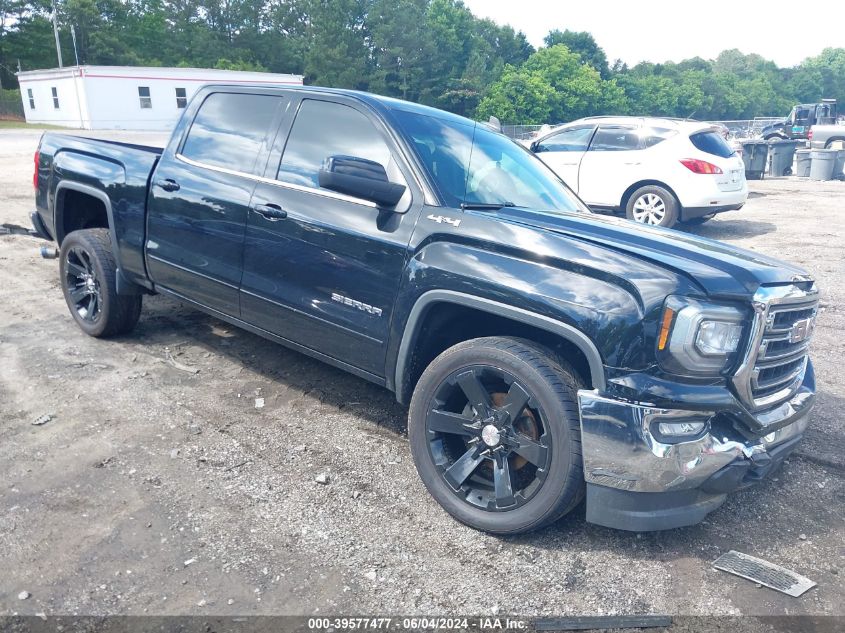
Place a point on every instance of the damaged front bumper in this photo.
(639, 480)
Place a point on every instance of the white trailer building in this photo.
(123, 97)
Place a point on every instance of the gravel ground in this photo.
(162, 489)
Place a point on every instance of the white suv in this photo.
(659, 171)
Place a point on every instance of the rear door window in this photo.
(230, 129)
(711, 143)
(572, 140)
(615, 139)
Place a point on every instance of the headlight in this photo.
(717, 337)
(696, 338)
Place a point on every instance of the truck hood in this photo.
(720, 269)
(773, 126)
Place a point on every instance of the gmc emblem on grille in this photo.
(801, 330)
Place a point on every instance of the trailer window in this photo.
(144, 96)
(55, 98)
(229, 130)
(31, 98)
(181, 98)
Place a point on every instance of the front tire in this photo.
(88, 274)
(495, 434)
(653, 205)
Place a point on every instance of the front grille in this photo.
(782, 354)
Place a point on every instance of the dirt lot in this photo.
(162, 491)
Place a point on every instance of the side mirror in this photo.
(361, 178)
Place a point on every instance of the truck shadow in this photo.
(164, 321)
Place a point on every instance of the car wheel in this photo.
(495, 435)
(772, 139)
(88, 276)
(652, 205)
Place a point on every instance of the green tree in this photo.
(520, 96)
(579, 89)
(338, 54)
(582, 43)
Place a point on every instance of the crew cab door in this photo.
(611, 164)
(199, 198)
(563, 152)
(321, 269)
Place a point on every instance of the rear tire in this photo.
(511, 463)
(88, 275)
(653, 205)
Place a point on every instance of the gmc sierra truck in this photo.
(547, 354)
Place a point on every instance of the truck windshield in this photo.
(474, 166)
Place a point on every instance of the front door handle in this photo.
(272, 212)
(168, 184)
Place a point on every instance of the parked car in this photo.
(828, 136)
(547, 353)
(657, 171)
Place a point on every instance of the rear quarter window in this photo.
(711, 143)
(654, 135)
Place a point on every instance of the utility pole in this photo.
(73, 36)
(56, 35)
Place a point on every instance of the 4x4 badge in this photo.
(440, 219)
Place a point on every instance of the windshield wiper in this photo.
(485, 206)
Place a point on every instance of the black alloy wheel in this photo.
(82, 284)
(487, 438)
(88, 274)
(495, 434)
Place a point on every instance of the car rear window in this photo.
(711, 143)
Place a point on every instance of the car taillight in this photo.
(700, 166)
(35, 171)
(810, 135)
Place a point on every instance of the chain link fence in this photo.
(11, 108)
(747, 128)
(520, 132)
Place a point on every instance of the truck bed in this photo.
(114, 173)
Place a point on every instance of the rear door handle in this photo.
(272, 212)
(167, 184)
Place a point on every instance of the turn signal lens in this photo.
(700, 166)
(35, 170)
(665, 328)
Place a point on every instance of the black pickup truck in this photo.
(547, 353)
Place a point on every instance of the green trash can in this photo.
(781, 154)
(824, 160)
(802, 163)
(754, 155)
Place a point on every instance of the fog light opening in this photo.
(680, 429)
